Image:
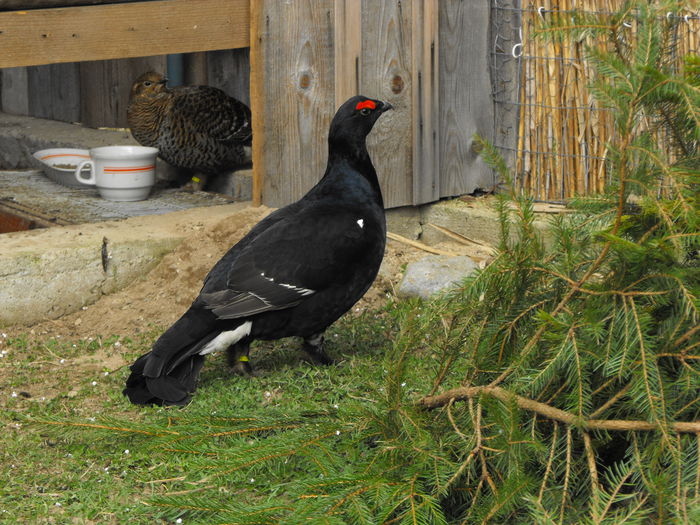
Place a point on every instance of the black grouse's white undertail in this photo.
(294, 274)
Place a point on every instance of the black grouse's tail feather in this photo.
(167, 375)
(175, 388)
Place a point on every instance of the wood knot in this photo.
(304, 81)
(397, 84)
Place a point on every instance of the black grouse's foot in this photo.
(238, 360)
(242, 368)
(313, 350)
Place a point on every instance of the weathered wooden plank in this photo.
(425, 100)
(105, 86)
(47, 36)
(348, 48)
(65, 91)
(40, 103)
(258, 39)
(385, 73)
(230, 70)
(465, 95)
(12, 5)
(15, 90)
(297, 99)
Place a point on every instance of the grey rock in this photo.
(434, 274)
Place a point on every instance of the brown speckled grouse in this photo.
(199, 128)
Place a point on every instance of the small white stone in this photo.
(62, 361)
(337, 432)
(179, 520)
(126, 451)
(106, 469)
(57, 504)
(106, 373)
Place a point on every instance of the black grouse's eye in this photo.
(148, 83)
(365, 111)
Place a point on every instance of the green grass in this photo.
(82, 475)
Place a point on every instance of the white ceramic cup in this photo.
(121, 173)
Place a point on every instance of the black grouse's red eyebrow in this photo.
(365, 104)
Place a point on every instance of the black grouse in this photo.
(296, 272)
(198, 128)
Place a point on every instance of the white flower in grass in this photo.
(127, 452)
(94, 383)
(14, 394)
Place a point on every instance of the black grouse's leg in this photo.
(313, 348)
(238, 358)
(196, 183)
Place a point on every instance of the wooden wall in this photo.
(96, 93)
(428, 58)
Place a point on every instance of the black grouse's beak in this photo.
(386, 107)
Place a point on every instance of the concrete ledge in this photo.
(473, 218)
(47, 273)
(22, 136)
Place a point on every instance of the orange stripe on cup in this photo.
(129, 170)
(65, 155)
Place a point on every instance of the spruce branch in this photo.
(553, 413)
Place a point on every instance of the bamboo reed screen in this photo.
(560, 149)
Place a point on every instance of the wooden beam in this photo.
(74, 34)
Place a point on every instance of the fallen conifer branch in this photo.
(550, 412)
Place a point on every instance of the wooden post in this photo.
(257, 96)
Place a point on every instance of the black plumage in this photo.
(198, 128)
(293, 274)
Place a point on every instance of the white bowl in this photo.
(59, 165)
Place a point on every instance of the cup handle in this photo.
(89, 180)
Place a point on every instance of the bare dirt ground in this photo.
(162, 295)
